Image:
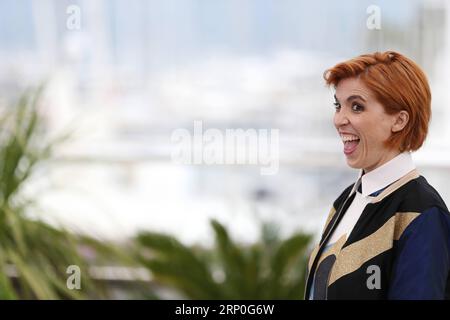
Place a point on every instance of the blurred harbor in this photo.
(134, 71)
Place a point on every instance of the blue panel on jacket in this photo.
(423, 259)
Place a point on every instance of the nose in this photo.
(341, 119)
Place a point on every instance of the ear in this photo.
(401, 119)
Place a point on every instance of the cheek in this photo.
(376, 135)
(335, 121)
(374, 129)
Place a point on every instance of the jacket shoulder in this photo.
(342, 196)
(419, 195)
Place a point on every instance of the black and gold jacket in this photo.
(398, 249)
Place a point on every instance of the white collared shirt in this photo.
(372, 181)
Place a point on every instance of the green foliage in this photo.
(34, 255)
(270, 269)
(37, 253)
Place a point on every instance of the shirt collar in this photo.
(385, 174)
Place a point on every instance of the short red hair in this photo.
(398, 83)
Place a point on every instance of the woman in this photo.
(387, 235)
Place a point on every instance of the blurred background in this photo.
(117, 77)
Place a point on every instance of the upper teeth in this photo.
(347, 137)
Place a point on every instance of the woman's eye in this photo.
(337, 105)
(357, 108)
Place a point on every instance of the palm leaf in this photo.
(176, 264)
(39, 252)
(270, 269)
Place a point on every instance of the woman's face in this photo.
(363, 125)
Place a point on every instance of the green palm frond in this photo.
(39, 253)
(270, 269)
(178, 265)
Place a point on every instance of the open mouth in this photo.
(350, 143)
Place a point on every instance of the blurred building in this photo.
(136, 70)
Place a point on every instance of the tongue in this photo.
(350, 146)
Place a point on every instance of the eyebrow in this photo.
(351, 98)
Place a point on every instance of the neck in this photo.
(388, 156)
